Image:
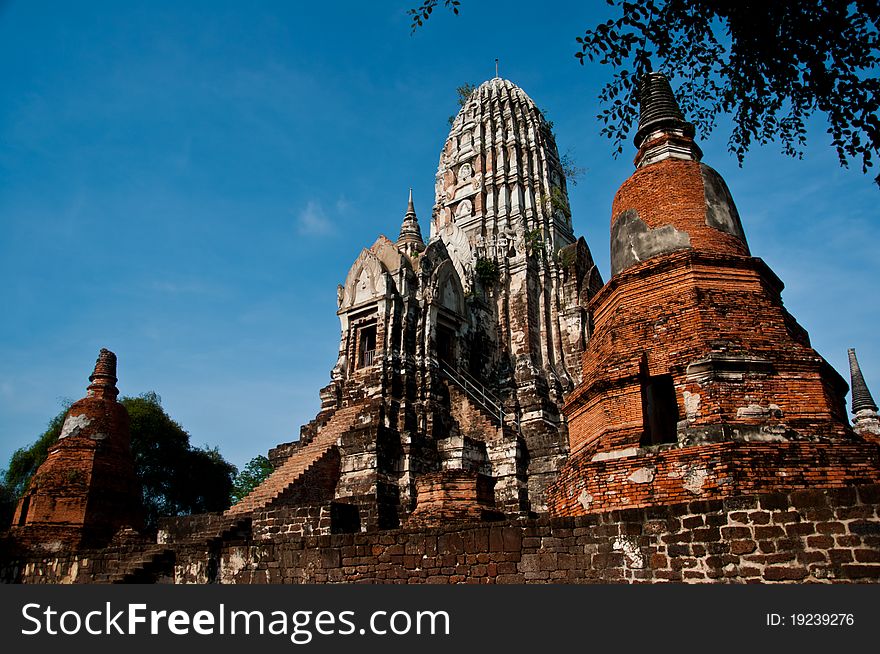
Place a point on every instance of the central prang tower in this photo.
(455, 355)
(502, 209)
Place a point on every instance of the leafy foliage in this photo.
(255, 472)
(420, 14)
(177, 478)
(559, 203)
(7, 504)
(566, 256)
(546, 116)
(486, 271)
(535, 243)
(771, 64)
(22, 466)
(26, 460)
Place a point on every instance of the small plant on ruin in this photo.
(74, 477)
(558, 201)
(535, 240)
(487, 272)
(547, 121)
(566, 256)
(463, 92)
(572, 171)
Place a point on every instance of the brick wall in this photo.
(709, 471)
(672, 314)
(824, 536)
(450, 495)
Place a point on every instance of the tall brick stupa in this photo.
(85, 490)
(696, 381)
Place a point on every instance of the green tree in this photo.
(26, 460)
(255, 472)
(771, 64)
(177, 478)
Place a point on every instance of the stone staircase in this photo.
(471, 416)
(218, 527)
(137, 567)
(464, 388)
(483, 423)
(141, 565)
(297, 464)
(474, 418)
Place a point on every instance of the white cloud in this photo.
(313, 221)
(342, 204)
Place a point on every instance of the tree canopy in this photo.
(177, 478)
(771, 64)
(254, 473)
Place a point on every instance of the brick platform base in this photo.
(710, 471)
(827, 536)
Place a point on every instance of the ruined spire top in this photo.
(861, 396)
(663, 132)
(103, 379)
(410, 239)
(658, 108)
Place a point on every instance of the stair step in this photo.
(297, 464)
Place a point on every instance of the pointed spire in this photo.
(410, 239)
(861, 396)
(410, 207)
(661, 124)
(103, 379)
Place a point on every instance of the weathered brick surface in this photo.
(714, 471)
(453, 495)
(742, 539)
(671, 192)
(683, 308)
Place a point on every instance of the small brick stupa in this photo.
(85, 491)
(697, 382)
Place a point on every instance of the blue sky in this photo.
(186, 183)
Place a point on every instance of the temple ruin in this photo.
(497, 413)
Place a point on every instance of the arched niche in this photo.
(447, 307)
(448, 292)
(460, 253)
(365, 281)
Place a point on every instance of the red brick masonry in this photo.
(826, 536)
(711, 471)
